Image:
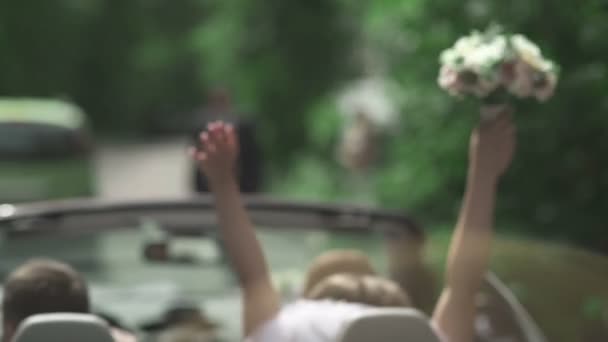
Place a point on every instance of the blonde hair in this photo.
(334, 262)
(364, 289)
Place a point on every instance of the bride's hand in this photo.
(492, 146)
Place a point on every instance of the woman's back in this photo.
(310, 321)
(313, 321)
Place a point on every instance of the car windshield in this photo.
(128, 287)
(28, 141)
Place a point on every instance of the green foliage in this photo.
(556, 186)
(123, 61)
(281, 57)
(139, 64)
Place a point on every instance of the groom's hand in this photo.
(218, 153)
(492, 146)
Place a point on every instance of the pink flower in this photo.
(458, 83)
(545, 90)
(522, 84)
(450, 80)
(474, 83)
(507, 72)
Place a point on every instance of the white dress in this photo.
(311, 321)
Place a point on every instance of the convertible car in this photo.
(152, 265)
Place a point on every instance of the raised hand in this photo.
(492, 146)
(490, 154)
(218, 153)
(217, 158)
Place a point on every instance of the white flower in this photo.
(467, 44)
(449, 57)
(486, 57)
(547, 66)
(524, 46)
(530, 53)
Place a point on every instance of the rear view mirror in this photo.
(156, 246)
(182, 251)
(156, 251)
(160, 247)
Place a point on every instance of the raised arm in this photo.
(217, 159)
(490, 153)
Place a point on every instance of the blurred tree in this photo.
(281, 57)
(125, 62)
(557, 186)
(40, 46)
(167, 64)
(137, 65)
(106, 82)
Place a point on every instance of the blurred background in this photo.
(143, 73)
(140, 70)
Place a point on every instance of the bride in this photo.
(491, 150)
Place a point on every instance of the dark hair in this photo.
(43, 286)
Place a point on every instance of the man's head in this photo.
(41, 286)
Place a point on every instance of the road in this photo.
(143, 170)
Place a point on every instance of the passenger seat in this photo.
(63, 327)
(391, 325)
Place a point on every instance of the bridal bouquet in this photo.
(493, 66)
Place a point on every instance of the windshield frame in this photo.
(271, 211)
